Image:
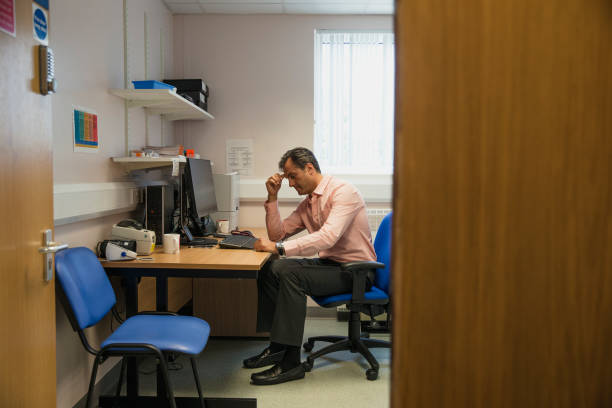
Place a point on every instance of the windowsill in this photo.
(373, 188)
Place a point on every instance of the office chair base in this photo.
(355, 342)
(360, 345)
(371, 374)
(309, 345)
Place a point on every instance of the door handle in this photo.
(48, 249)
(53, 248)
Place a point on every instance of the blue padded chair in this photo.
(88, 296)
(375, 301)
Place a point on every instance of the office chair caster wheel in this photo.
(308, 346)
(307, 366)
(371, 374)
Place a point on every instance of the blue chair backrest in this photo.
(85, 285)
(382, 246)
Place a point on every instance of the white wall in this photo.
(88, 41)
(260, 69)
(88, 46)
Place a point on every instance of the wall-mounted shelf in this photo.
(164, 102)
(141, 163)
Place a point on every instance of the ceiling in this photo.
(280, 6)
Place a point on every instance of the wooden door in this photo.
(502, 255)
(27, 302)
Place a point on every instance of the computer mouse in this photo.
(129, 223)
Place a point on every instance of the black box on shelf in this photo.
(196, 84)
(196, 97)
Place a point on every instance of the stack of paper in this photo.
(164, 150)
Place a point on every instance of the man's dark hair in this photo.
(300, 156)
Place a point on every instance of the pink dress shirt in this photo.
(334, 215)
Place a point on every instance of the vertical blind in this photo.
(354, 101)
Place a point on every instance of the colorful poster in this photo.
(85, 130)
(7, 17)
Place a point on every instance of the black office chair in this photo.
(87, 295)
(373, 302)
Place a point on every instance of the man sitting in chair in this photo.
(334, 214)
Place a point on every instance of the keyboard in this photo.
(200, 242)
(238, 242)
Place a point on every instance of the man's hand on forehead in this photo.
(278, 178)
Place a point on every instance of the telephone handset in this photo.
(47, 69)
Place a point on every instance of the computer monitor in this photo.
(200, 188)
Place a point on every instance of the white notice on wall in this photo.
(240, 156)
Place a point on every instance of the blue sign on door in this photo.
(40, 24)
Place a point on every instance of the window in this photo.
(354, 101)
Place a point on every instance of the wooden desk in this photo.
(235, 318)
(189, 262)
(198, 258)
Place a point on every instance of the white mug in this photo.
(172, 243)
(223, 226)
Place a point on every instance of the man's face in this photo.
(303, 181)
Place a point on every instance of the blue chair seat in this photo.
(327, 301)
(181, 334)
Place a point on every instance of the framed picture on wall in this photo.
(85, 130)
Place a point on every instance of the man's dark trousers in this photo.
(282, 288)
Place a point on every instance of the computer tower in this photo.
(227, 190)
(160, 206)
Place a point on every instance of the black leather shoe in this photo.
(276, 375)
(265, 358)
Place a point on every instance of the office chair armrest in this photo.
(360, 270)
(350, 266)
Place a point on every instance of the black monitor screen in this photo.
(200, 187)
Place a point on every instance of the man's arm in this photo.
(277, 229)
(346, 203)
(273, 184)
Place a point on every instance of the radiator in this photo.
(375, 217)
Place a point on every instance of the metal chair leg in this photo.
(121, 375)
(164, 370)
(92, 382)
(196, 376)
